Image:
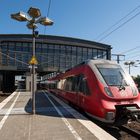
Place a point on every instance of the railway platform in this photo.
(54, 120)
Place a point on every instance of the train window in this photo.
(83, 86)
(114, 76)
(75, 83)
(68, 84)
(71, 83)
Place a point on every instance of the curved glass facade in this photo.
(53, 53)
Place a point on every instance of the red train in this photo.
(102, 89)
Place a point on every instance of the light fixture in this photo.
(34, 12)
(20, 16)
(45, 21)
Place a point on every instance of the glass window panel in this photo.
(25, 44)
(30, 47)
(4, 61)
(85, 53)
(50, 64)
(56, 62)
(19, 57)
(18, 44)
(30, 44)
(94, 53)
(4, 58)
(43, 57)
(4, 48)
(39, 58)
(12, 58)
(56, 49)
(62, 65)
(25, 58)
(38, 48)
(45, 50)
(50, 48)
(100, 54)
(25, 48)
(19, 48)
(85, 50)
(79, 60)
(74, 50)
(62, 49)
(68, 50)
(11, 43)
(68, 65)
(4, 43)
(57, 55)
(79, 51)
(104, 54)
(68, 58)
(74, 60)
(90, 53)
(12, 46)
(38, 45)
(44, 45)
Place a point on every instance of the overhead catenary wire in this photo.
(133, 53)
(14, 58)
(134, 56)
(48, 12)
(119, 26)
(132, 11)
(49, 6)
(130, 50)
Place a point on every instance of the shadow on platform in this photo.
(45, 108)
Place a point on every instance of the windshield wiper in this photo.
(121, 87)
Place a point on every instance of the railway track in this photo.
(130, 131)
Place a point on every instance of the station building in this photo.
(53, 53)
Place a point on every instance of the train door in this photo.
(83, 92)
(75, 83)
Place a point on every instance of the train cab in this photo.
(120, 92)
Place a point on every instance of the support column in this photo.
(28, 81)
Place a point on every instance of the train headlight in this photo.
(134, 91)
(109, 93)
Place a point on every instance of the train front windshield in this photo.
(114, 75)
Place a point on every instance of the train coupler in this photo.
(126, 114)
(133, 114)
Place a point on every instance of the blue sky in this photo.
(85, 19)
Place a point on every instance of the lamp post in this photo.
(32, 20)
(129, 63)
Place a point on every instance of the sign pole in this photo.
(33, 75)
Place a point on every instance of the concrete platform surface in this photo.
(54, 120)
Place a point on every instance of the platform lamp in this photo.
(32, 20)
